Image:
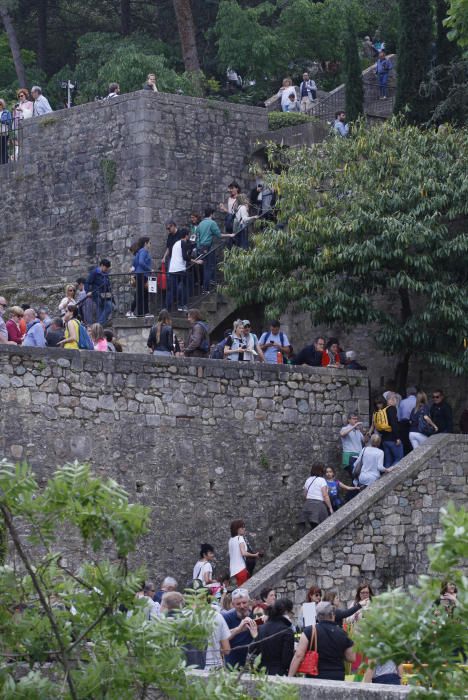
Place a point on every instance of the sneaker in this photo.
(130, 314)
(185, 308)
(179, 308)
(149, 315)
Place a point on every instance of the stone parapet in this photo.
(200, 442)
(382, 534)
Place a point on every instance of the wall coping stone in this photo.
(110, 360)
(315, 689)
(410, 466)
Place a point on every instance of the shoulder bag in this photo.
(309, 664)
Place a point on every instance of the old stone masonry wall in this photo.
(92, 179)
(382, 535)
(200, 442)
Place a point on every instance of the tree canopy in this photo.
(76, 631)
(374, 232)
(410, 626)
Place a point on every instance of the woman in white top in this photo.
(317, 501)
(238, 553)
(67, 300)
(371, 463)
(235, 345)
(203, 569)
(284, 92)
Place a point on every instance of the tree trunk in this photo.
(125, 17)
(42, 11)
(14, 45)
(186, 27)
(401, 371)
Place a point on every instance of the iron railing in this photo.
(11, 138)
(135, 295)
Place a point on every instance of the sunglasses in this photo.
(436, 396)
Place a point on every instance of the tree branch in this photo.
(8, 520)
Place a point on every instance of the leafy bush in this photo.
(278, 120)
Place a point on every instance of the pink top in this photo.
(101, 345)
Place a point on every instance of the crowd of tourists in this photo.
(269, 626)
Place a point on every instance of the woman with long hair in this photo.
(96, 332)
(238, 553)
(71, 326)
(420, 419)
(68, 299)
(161, 339)
(141, 267)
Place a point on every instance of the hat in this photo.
(246, 322)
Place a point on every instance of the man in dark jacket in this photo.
(98, 287)
(312, 354)
(391, 442)
(198, 341)
(441, 412)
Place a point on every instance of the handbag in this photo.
(162, 278)
(309, 664)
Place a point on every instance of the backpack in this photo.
(84, 341)
(424, 427)
(381, 421)
(218, 351)
(205, 343)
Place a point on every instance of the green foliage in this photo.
(407, 626)
(109, 171)
(353, 74)
(8, 81)
(457, 22)
(414, 59)
(277, 120)
(375, 233)
(68, 623)
(246, 41)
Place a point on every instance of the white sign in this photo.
(152, 285)
(308, 614)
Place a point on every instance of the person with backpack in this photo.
(370, 464)
(198, 341)
(386, 423)
(273, 342)
(76, 335)
(235, 344)
(421, 425)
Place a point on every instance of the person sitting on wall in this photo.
(114, 91)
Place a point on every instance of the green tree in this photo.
(352, 73)
(52, 612)
(407, 626)
(457, 21)
(414, 59)
(5, 16)
(374, 233)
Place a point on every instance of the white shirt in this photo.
(372, 465)
(405, 407)
(314, 486)
(203, 570)
(3, 328)
(41, 106)
(242, 214)
(231, 204)
(153, 609)
(352, 442)
(221, 633)
(284, 94)
(236, 560)
(177, 263)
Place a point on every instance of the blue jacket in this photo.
(35, 335)
(5, 121)
(98, 282)
(383, 66)
(142, 261)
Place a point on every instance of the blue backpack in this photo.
(84, 341)
(218, 350)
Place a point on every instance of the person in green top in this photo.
(207, 230)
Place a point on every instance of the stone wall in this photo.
(92, 179)
(198, 441)
(382, 535)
